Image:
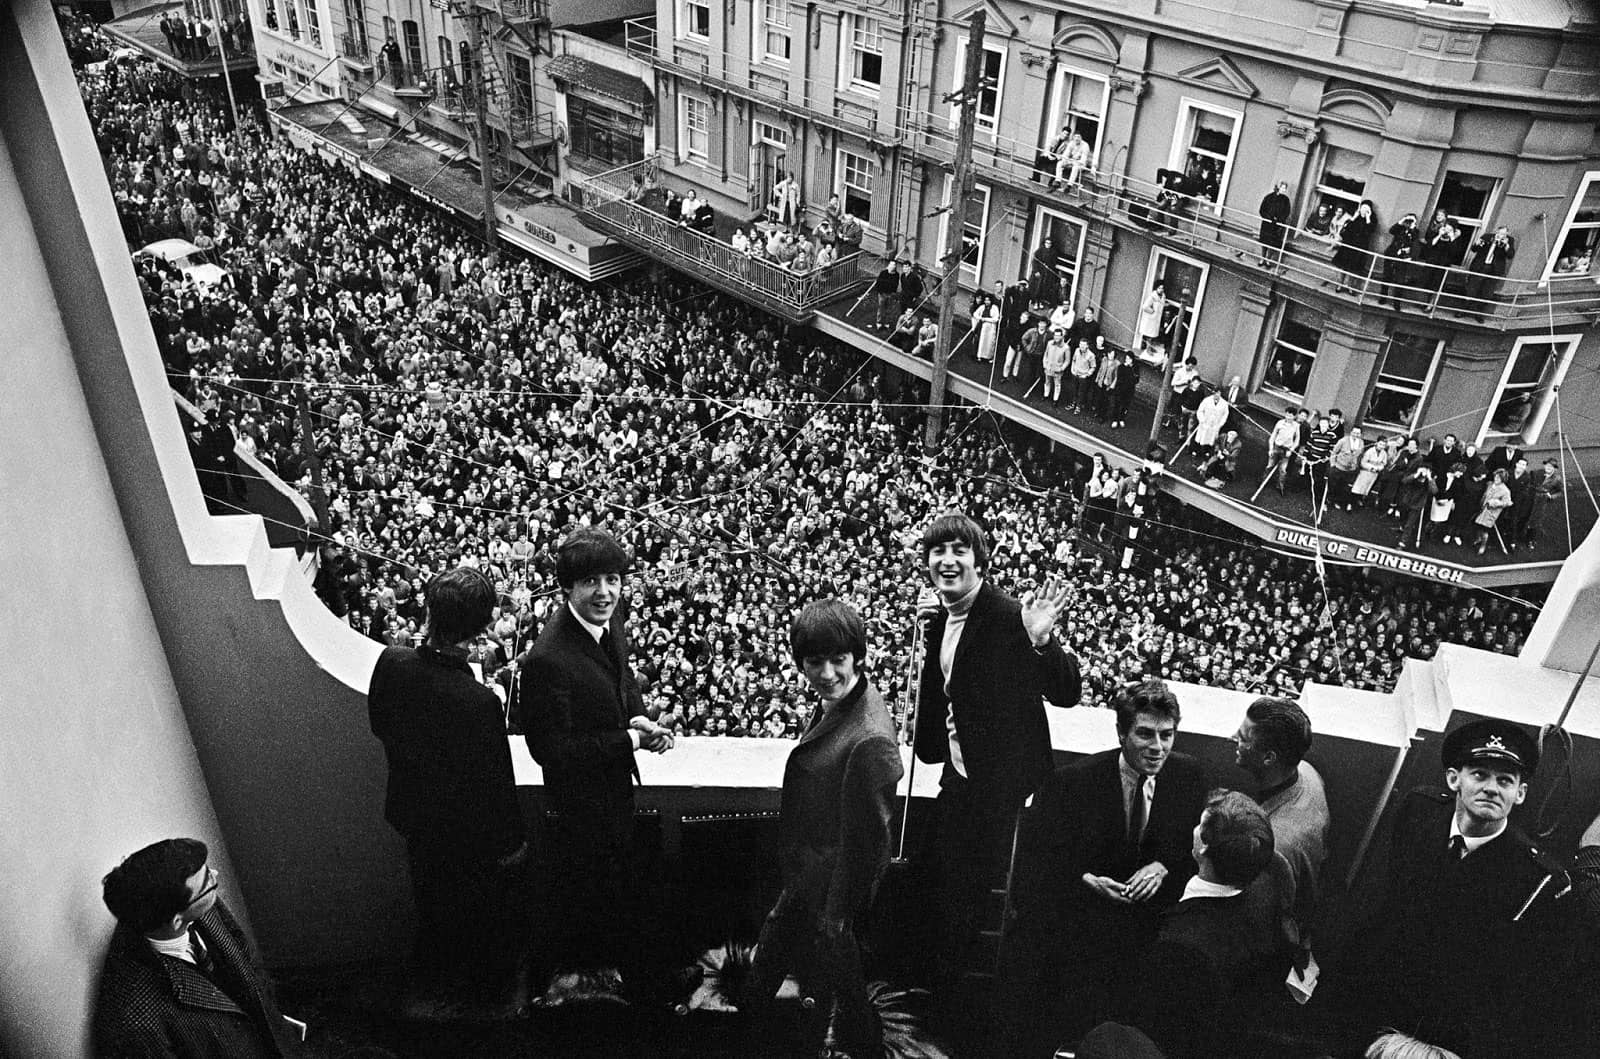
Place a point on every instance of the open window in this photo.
(1184, 279)
(974, 221)
(853, 183)
(992, 83)
(1203, 148)
(1468, 200)
(1404, 377)
(1077, 104)
(1575, 251)
(1058, 246)
(1342, 183)
(1527, 389)
(695, 141)
(694, 19)
(1294, 351)
(861, 57)
(773, 40)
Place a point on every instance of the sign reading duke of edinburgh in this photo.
(1367, 555)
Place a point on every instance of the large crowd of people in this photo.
(470, 408)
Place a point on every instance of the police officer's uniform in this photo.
(1458, 944)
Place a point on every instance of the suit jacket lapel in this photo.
(976, 618)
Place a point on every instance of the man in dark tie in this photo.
(180, 978)
(1457, 954)
(584, 718)
(1106, 847)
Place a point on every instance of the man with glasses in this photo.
(180, 978)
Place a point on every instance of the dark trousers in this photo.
(977, 824)
(827, 968)
(590, 914)
(472, 918)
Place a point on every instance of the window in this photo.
(1185, 281)
(854, 184)
(696, 130)
(603, 134)
(974, 215)
(1578, 244)
(861, 60)
(521, 80)
(355, 20)
(291, 14)
(313, 23)
(991, 83)
(1077, 104)
(413, 42)
(776, 135)
(1468, 199)
(772, 31)
(447, 67)
(1343, 182)
(694, 19)
(1204, 147)
(1403, 379)
(272, 14)
(1056, 256)
(1294, 351)
(1533, 372)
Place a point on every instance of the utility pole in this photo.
(480, 107)
(960, 190)
(227, 74)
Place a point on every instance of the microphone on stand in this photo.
(919, 635)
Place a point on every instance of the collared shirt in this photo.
(1198, 887)
(1135, 781)
(179, 948)
(955, 622)
(1469, 841)
(594, 630)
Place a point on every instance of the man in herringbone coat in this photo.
(180, 980)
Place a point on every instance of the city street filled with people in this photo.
(471, 408)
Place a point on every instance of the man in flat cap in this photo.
(1456, 954)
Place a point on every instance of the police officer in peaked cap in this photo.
(1459, 952)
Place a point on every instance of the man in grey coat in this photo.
(838, 790)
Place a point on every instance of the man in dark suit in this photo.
(1219, 941)
(584, 718)
(990, 663)
(180, 978)
(838, 794)
(1105, 849)
(452, 796)
(1487, 263)
(1458, 953)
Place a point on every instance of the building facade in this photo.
(1484, 112)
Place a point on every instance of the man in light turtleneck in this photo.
(991, 662)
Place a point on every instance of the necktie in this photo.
(608, 646)
(1136, 814)
(1458, 846)
(202, 955)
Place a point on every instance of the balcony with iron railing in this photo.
(517, 11)
(817, 102)
(1230, 236)
(610, 200)
(353, 49)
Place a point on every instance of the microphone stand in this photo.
(913, 703)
